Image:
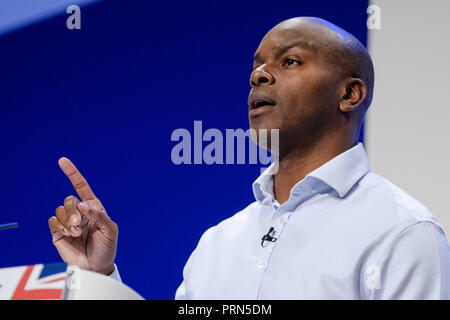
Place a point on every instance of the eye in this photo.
(290, 62)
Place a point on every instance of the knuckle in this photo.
(54, 224)
(114, 228)
(68, 198)
(80, 184)
(59, 210)
(61, 216)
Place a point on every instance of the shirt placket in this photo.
(278, 222)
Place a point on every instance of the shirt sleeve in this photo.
(182, 292)
(416, 266)
(115, 275)
(186, 289)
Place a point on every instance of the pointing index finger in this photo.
(78, 181)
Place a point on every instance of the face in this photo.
(294, 87)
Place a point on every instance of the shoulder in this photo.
(404, 224)
(230, 226)
(394, 203)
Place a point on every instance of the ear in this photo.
(352, 93)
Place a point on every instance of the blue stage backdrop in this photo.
(108, 97)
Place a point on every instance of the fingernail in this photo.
(85, 205)
(75, 230)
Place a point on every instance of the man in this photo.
(332, 228)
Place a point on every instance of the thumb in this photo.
(97, 215)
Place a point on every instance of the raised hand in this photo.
(82, 232)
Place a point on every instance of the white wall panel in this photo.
(408, 125)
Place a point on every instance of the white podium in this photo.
(58, 281)
(88, 285)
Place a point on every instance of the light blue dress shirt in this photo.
(344, 233)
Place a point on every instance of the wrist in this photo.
(107, 271)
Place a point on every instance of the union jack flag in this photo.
(35, 282)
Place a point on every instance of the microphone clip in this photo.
(268, 237)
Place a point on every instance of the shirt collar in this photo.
(340, 173)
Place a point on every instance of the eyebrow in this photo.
(280, 49)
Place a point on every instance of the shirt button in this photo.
(281, 220)
(260, 265)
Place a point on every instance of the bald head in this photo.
(342, 50)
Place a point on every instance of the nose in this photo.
(260, 77)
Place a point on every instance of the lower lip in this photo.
(260, 110)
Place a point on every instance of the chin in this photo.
(262, 124)
(260, 130)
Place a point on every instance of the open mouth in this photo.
(258, 100)
(261, 103)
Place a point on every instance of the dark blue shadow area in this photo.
(108, 96)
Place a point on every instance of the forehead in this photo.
(314, 37)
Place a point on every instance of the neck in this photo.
(298, 162)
